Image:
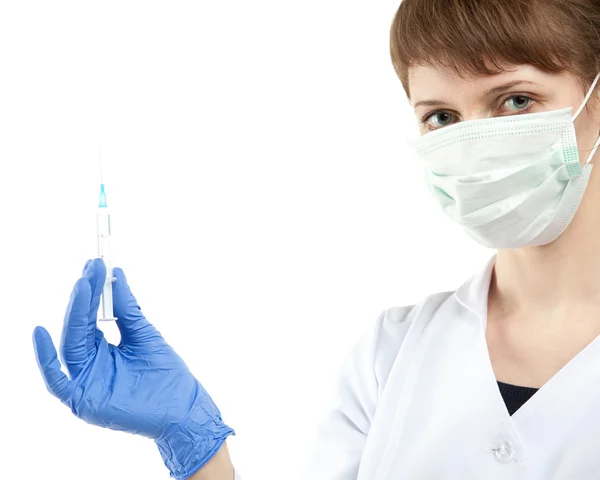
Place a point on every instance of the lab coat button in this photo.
(505, 453)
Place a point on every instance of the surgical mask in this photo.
(510, 181)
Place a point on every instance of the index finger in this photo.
(74, 345)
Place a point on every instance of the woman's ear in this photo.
(592, 108)
(594, 104)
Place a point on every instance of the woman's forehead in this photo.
(427, 81)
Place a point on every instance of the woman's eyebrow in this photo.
(499, 89)
(429, 103)
(507, 86)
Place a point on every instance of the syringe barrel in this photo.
(107, 299)
(103, 229)
(103, 232)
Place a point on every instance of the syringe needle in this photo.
(100, 163)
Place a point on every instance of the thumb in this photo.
(130, 319)
(56, 381)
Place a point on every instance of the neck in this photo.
(562, 273)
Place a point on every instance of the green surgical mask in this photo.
(510, 181)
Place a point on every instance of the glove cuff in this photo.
(188, 446)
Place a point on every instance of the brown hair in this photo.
(479, 36)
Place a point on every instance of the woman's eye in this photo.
(517, 103)
(439, 120)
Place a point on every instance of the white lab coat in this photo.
(418, 400)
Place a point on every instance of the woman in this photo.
(498, 380)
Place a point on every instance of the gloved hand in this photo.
(140, 386)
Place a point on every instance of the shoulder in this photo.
(370, 361)
(394, 325)
(366, 369)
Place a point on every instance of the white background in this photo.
(265, 208)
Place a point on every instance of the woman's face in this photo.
(440, 98)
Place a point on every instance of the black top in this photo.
(515, 396)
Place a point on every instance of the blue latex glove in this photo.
(140, 386)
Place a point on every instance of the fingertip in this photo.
(120, 293)
(124, 302)
(95, 269)
(121, 288)
(119, 275)
(87, 264)
(38, 333)
(43, 347)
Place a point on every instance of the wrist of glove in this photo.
(188, 445)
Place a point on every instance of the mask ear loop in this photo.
(589, 159)
(583, 104)
(587, 97)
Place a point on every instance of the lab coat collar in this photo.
(473, 295)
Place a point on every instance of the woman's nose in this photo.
(476, 113)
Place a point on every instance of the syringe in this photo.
(105, 313)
